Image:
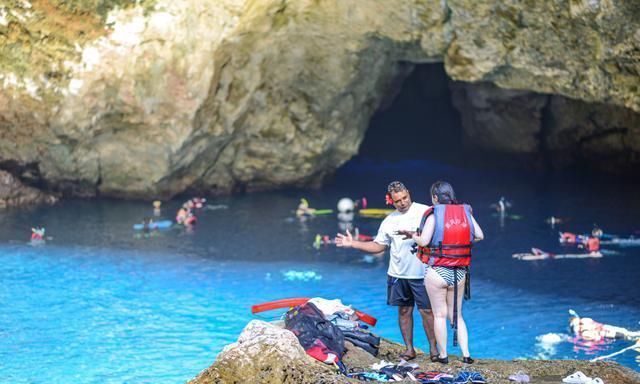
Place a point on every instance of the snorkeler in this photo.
(190, 220)
(182, 214)
(589, 243)
(38, 237)
(597, 231)
(146, 224)
(592, 245)
(589, 329)
(156, 208)
(554, 220)
(198, 202)
(37, 234)
(569, 238)
(502, 205)
(304, 209)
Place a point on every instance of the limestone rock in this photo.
(15, 194)
(210, 95)
(547, 130)
(296, 85)
(495, 119)
(597, 136)
(114, 114)
(583, 49)
(163, 96)
(265, 353)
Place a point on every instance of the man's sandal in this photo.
(406, 357)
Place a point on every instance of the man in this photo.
(405, 282)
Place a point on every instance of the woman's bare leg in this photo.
(463, 335)
(437, 291)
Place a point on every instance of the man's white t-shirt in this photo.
(402, 263)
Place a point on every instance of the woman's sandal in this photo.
(441, 360)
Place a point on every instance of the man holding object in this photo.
(405, 281)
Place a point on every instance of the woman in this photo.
(445, 239)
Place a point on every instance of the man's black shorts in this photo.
(407, 293)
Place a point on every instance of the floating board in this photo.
(623, 242)
(322, 212)
(508, 216)
(604, 236)
(292, 302)
(375, 212)
(37, 242)
(163, 224)
(540, 255)
(215, 207)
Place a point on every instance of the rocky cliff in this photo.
(161, 96)
(547, 131)
(15, 194)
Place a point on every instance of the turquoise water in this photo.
(97, 304)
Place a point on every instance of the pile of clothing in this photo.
(388, 372)
(322, 326)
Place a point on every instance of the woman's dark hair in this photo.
(444, 192)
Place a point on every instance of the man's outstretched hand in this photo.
(345, 241)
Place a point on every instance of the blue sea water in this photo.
(98, 304)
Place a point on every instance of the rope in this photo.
(636, 347)
(467, 285)
(455, 307)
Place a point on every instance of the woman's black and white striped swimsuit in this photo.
(447, 274)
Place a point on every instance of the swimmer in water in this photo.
(156, 208)
(304, 209)
(182, 214)
(37, 234)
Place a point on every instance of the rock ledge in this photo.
(266, 353)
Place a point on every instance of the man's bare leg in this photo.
(405, 319)
(427, 324)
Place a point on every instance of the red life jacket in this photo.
(452, 238)
(593, 244)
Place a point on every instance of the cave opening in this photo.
(425, 115)
(417, 120)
